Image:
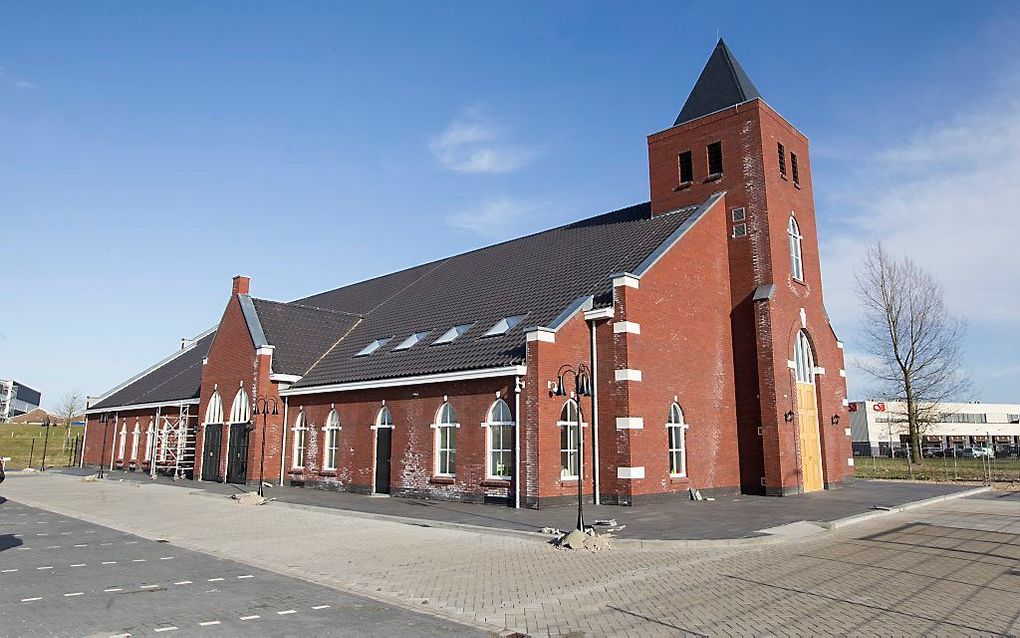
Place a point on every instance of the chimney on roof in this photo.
(241, 285)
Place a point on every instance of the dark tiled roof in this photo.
(539, 275)
(300, 333)
(177, 380)
(722, 84)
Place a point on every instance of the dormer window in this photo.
(504, 325)
(372, 347)
(686, 164)
(715, 166)
(411, 341)
(452, 334)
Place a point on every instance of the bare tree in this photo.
(70, 406)
(914, 343)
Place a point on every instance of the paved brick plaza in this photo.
(943, 569)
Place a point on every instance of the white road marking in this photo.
(77, 593)
(64, 533)
(109, 562)
(89, 531)
(288, 611)
(137, 560)
(321, 607)
(42, 534)
(121, 636)
(160, 629)
(184, 582)
(28, 600)
(247, 576)
(82, 545)
(208, 622)
(53, 547)
(106, 543)
(148, 586)
(78, 565)
(5, 571)
(249, 617)
(167, 558)
(49, 567)
(114, 589)
(214, 580)
(131, 543)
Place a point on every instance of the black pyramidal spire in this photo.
(722, 83)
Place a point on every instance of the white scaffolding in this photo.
(174, 453)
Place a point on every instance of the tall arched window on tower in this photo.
(332, 430)
(570, 416)
(214, 411)
(299, 441)
(676, 427)
(803, 359)
(796, 258)
(500, 423)
(240, 410)
(446, 440)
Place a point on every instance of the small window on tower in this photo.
(739, 230)
(738, 214)
(793, 167)
(686, 168)
(782, 161)
(714, 160)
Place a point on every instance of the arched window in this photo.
(299, 440)
(123, 441)
(134, 440)
(384, 419)
(148, 441)
(570, 431)
(240, 410)
(446, 440)
(332, 430)
(214, 411)
(802, 357)
(500, 423)
(677, 430)
(796, 260)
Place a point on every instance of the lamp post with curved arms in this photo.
(46, 443)
(264, 405)
(103, 418)
(582, 388)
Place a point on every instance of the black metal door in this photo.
(383, 438)
(211, 453)
(237, 455)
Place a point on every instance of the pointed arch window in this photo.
(446, 440)
(240, 410)
(134, 440)
(500, 424)
(214, 411)
(796, 258)
(676, 428)
(300, 429)
(570, 431)
(148, 441)
(803, 359)
(331, 450)
(123, 441)
(384, 419)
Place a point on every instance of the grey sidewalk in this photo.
(725, 518)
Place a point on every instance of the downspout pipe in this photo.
(517, 442)
(595, 417)
(283, 441)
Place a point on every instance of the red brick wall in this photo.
(94, 438)
(413, 409)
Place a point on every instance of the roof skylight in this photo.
(372, 347)
(504, 325)
(452, 334)
(413, 340)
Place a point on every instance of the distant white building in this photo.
(16, 398)
(877, 425)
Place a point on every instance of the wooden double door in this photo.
(810, 438)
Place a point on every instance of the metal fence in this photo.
(983, 465)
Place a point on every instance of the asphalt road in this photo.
(60, 576)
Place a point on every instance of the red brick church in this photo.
(696, 317)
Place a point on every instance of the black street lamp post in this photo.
(46, 443)
(103, 418)
(582, 388)
(264, 405)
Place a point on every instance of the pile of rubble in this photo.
(590, 541)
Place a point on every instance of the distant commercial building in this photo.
(878, 426)
(16, 398)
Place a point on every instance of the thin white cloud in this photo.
(474, 144)
(24, 85)
(496, 218)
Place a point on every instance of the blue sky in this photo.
(150, 151)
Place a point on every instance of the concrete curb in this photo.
(885, 511)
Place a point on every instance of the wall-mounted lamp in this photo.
(835, 419)
(789, 416)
